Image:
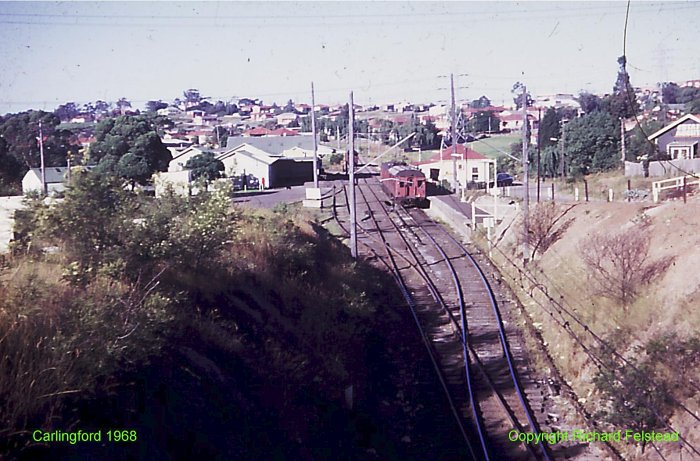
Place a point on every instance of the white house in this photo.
(272, 144)
(472, 168)
(268, 169)
(56, 179)
(286, 118)
(180, 159)
(178, 181)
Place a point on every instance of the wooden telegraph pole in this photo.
(351, 169)
(44, 186)
(455, 184)
(526, 185)
(313, 132)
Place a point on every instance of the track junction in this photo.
(477, 352)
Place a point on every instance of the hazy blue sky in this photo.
(82, 51)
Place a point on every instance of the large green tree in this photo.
(639, 146)
(589, 102)
(130, 134)
(20, 134)
(205, 166)
(483, 122)
(592, 143)
(550, 128)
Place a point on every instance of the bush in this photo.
(619, 264)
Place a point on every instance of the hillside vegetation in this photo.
(214, 333)
(614, 291)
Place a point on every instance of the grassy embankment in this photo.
(657, 332)
(210, 331)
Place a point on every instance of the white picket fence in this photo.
(676, 183)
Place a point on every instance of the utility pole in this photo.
(455, 184)
(622, 139)
(44, 187)
(526, 185)
(562, 163)
(539, 141)
(313, 132)
(369, 144)
(351, 169)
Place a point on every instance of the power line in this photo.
(344, 20)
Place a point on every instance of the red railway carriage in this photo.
(405, 184)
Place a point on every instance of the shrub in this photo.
(619, 265)
(546, 226)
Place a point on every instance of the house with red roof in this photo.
(283, 132)
(258, 131)
(473, 169)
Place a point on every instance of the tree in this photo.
(518, 96)
(638, 399)
(289, 107)
(94, 237)
(10, 167)
(589, 102)
(550, 128)
(480, 103)
(592, 143)
(623, 102)
(122, 105)
(66, 111)
(134, 134)
(134, 169)
(619, 264)
(638, 146)
(546, 226)
(205, 166)
(102, 107)
(483, 122)
(550, 157)
(192, 97)
(20, 133)
(153, 106)
(670, 92)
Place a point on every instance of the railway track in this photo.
(459, 321)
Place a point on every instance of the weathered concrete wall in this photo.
(664, 168)
(457, 221)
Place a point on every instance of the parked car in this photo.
(504, 179)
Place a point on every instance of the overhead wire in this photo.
(630, 101)
(559, 307)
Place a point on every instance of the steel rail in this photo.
(395, 271)
(504, 342)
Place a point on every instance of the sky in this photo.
(55, 52)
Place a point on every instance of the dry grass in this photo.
(667, 305)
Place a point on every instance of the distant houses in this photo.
(473, 169)
(264, 161)
(678, 142)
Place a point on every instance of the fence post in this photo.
(473, 216)
(629, 190)
(552, 191)
(610, 195)
(576, 194)
(585, 185)
(685, 190)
